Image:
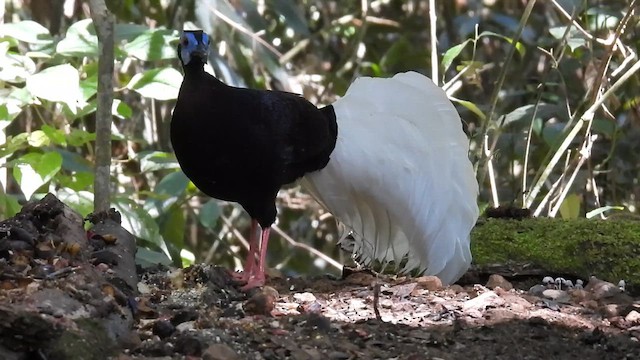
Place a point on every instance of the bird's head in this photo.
(193, 46)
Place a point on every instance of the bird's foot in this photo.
(253, 283)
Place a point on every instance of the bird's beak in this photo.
(202, 51)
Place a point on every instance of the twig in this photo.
(434, 42)
(245, 31)
(104, 22)
(376, 300)
(310, 249)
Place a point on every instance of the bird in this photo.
(389, 160)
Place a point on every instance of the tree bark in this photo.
(104, 23)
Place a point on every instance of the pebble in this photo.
(633, 317)
(496, 281)
(163, 328)
(537, 290)
(220, 352)
(305, 297)
(556, 295)
(431, 283)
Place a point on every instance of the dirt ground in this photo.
(418, 319)
(67, 293)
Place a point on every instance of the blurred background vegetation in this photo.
(547, 90)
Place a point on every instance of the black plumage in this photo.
(243, 145)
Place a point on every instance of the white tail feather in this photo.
(399, 179)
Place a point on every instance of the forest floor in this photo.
(67, 293)
(204, 315)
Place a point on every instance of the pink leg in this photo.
(250, 261)
(257, 277)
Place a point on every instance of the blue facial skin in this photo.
(192, 45)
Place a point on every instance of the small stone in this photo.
(611, 310)
(186, 326)
(305, 297)
(220, 352)
(262, 302)
(456, 288)
(496, 281)
(537, 290)
(163, 328)
(578, 294)
(431, 283)
(189, 345)
(601, 289)
(556, 295)
(633, 317)
(478, 304)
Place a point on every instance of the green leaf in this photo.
(174, 184)
(293, 16)
(471, 107)
(149, 258)
(600, 210)
(59, 83)
(77, 181)
(13, 144)
(570, 208)
(81, 40)
(80, 201)
(80, 137)
(575, 38)
(27, 31)
(209, 214)
(9, 206)
(159, 84)
(57, 136)
(38, 138)
(453, 53)
(519, 46)
(33, 170)
(75, 162)
(153, 45)
(173, 226)
(121, 109)
(157, 160)
(15, 68)
(138, 221)
(129, 31)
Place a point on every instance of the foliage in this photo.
(526, 80)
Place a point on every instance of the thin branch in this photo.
(310, 249)
(434, 42)
(104, 22)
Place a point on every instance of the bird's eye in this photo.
(184, 41)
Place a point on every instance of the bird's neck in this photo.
(195, 73)
(194, 69)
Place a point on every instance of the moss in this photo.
(607, 249)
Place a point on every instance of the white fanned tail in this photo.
(400, 180)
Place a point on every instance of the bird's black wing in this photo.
(303, 135)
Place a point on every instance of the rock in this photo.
(186, 326)
(537, 290)
(431, 283)
(305, 297)
(496, 280)
(601, 289)
(556, 295)
(579, 294)
(163, 328)
(480, 303)
(262, 302)
(220, 352)
(633, 317)
(611, 310)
